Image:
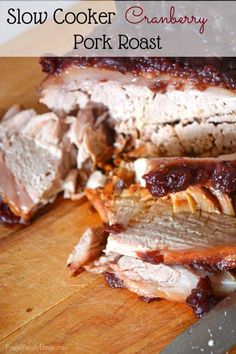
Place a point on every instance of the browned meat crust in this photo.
(7, 216)
(180, 174)
(200, 71)
(101, 199)
(210, 259)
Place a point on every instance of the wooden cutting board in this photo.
(41, 307)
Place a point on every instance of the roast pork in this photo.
(35, 157)
(158, 106)
(198, 287)
(159, 251)
(42, 155)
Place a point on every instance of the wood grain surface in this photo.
(41, 307)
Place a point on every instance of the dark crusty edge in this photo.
(7, 216)
(200, 71)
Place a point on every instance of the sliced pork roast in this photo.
(158, 106)
(145, 273)
(179, 244)
(35, 157)
(42, 155)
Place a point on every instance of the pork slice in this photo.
(14, 198)
(197, 287)
(92, 253)
(145, 165)
(176, 283)
(134, 204)
(92, 136)
(88, 254)
(150, 280)
(35, 157)
(155, 232)
(180, 120)
(125, 206)
(196, 242)
(43, 155)
(89, 248)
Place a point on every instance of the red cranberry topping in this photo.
(113, 281)
(175, 178)
(115, 228)
(213, 266)
(224, 177)
(201, 299)
(161, 183)
(153, 257)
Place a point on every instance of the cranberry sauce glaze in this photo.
(115, 228)
(177, 177)
(213, 261)
(200, 71)
(201, 299)
(112, 280)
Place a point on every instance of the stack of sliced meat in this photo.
(158, 106)
(43, 155)
(174, 238)
(147, 138)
